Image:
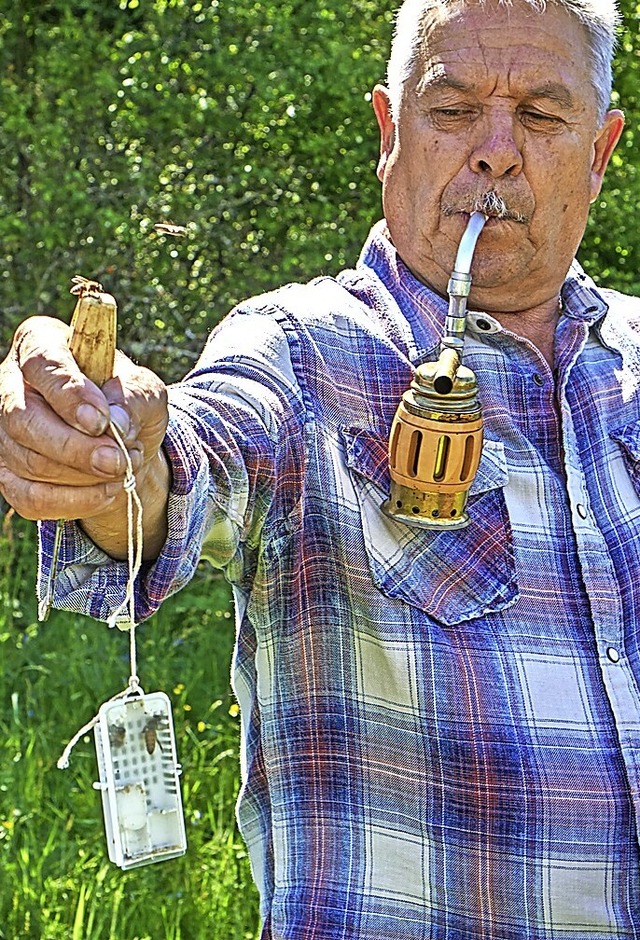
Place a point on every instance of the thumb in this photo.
(40, 351)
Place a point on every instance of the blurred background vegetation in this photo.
(57, 882)
(249, 123)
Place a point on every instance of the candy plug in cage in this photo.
(139, 780)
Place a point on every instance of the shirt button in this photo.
(582, 511)
(612, 654)
(537, 378)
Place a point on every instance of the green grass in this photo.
(56, 880)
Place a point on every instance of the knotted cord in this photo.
(134, 563)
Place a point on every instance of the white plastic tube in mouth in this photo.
(468, 242)
(458, 288)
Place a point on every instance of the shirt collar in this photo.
(426, 311)
(581, 299)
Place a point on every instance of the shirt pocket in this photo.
(619, 472)
(628, 439)
(453, 575)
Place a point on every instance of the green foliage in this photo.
(246, 120)
(57, 882)
(611, 248)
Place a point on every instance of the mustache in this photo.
(490, 203)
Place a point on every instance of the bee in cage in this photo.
(117, 734)
(150, 732)
(83, 286)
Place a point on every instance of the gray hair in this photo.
(599, 19)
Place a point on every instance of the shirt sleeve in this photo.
(234, 445)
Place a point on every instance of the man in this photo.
(441, 729)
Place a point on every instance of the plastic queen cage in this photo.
(139, 780)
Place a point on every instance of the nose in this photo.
(498, 150)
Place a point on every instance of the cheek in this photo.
(567, 169)
(572, 202)
(561, 185)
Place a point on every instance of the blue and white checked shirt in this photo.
(441, 730)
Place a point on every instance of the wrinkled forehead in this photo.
(445, 18)
(512, 38)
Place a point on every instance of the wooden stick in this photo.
(93, 330)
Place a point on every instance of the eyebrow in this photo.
(555, 92)
(436, 79)
(552, 91)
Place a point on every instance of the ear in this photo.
(382, 108)
(604, 145)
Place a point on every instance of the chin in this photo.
(503, 262)
(492, 277)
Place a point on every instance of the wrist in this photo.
(109, 530)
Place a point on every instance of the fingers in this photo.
(103, 462)
(57, 455)
(37, 444)
(45, 400)
(138, 405)
(41, 353)
(35, 500)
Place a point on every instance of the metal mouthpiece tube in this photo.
(458, 289)
(436, 436)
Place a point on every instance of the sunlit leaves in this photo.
(250, 120)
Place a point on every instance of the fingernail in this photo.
(107, 460)
(113, 489)
(120, 418)
(137, 457)
(92, 420)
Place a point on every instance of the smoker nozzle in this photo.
(459, 288)
(436, 436)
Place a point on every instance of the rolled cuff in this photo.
(89, 581)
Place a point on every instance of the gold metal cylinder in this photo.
(445, 374)
(434, 451)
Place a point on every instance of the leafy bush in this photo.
(247, 121)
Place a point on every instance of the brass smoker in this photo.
(436, 435)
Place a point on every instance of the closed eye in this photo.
(539, 120)
(452, 117)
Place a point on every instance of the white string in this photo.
(134, 558)
(63, 760)
(134, 562)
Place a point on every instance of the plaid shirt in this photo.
(441, 730)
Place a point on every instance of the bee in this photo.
(117, 734)
(150, 732)
(83, 287)
(167, 228)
